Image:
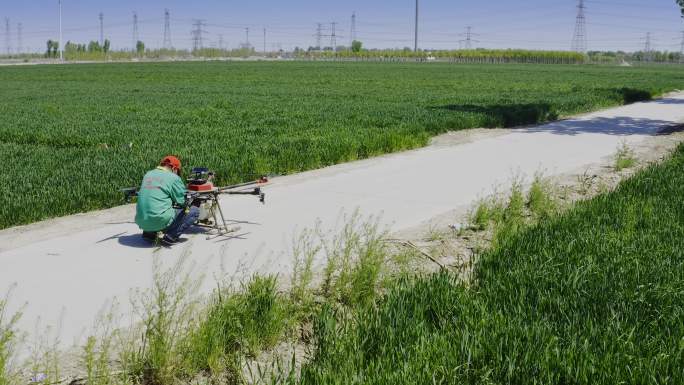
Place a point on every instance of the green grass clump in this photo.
(488, 211)
(237, 325)
(508, 216)
(624, 157)
(592, 296)
(540, 198)
(72, 151)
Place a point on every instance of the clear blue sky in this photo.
(535, 24)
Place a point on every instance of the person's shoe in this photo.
(150, 235)
(168, 241)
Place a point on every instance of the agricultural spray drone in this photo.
(203, 194)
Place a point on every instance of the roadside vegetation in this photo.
(593, 295)
(505, 215)
(72, 136)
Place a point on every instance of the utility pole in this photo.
(220, 43)
(353, 29)
(20, 43)
(333, 36)
(101, 29)
(136, 38)
(579, 40)
(8, 37)
(247, 37)
(319, 35)
(198, 34)
(415, 41)
(681, 51)
(264, 41)
(167, 29)
(61, 47)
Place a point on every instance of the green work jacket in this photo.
(160, 189)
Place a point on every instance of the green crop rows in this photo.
(71, 136)
(595, 296)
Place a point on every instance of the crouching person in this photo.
(160, 201)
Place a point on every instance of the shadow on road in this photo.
(672, 129)
(136, 241)
(669, 101)
(620, 125)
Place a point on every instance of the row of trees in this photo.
(640, 56)
(52, 48)
(92, 49)
(461, 56)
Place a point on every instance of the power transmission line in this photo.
(246, 45)
(579, 40)
(8, 36)
(198, 34)
(393, 35)
(101, 29)
(353, 29)
(167, 29)
(136, 37)
(19, 40)
(333, 36)
(648, 50)
(468, 41)
(319, 35)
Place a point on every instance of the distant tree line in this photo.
(92, 50)
(356, 52)
(92, 47)
(639, 56)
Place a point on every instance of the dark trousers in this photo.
(182, 222)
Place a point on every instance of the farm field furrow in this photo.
(71, 136)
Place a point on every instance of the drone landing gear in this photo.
(212, 218)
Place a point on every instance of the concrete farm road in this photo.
(67, 269)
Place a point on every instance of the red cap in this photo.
(172, 162)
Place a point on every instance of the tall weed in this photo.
(354, 257)
(624, 157)
(168, 312)
(541, 200)
(98, 352)
(9, 338)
